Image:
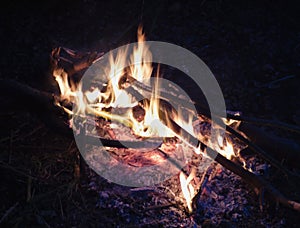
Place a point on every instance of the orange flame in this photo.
(61, 77)
(187, 188)
(141, 58)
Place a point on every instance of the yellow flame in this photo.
(93, 101)
(151, 125)
(220, 140)
(188, 190)
(225, 147)
(61, 77)
(80, 101)
(118, 97)
(228, 151)
(141, 68)
(185, 124)
(93, 96)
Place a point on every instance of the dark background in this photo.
(247, 45)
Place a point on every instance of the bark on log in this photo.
(282, 149)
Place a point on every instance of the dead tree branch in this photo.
(290, 148)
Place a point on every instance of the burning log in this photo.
(260, 141)
(275, 145)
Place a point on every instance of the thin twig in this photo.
(14, 169)
(271, 123)
(10, 147)
(154, 207)
(29, 185)
(8, 212)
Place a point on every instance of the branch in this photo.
(282, 148)
(271, 123)
(257, 182)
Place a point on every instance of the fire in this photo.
(151, 123)
(147, 122)
(118, 97)
(187, 188)
(226, 149)
(61, 77)
(95, 101)
(142, 58)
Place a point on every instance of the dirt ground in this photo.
(252, 48)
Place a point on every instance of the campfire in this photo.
(142, 123)
(108, 122)
(135, 128)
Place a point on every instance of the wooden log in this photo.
(282, 149)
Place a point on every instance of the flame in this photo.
(148, 124)
(141, 58)
(228, 151)
(186, 124)
(119, 98)
(61, 77)
(225, 147)
(93, 96)
(94, 101)
(151, 125)
(187, 188)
